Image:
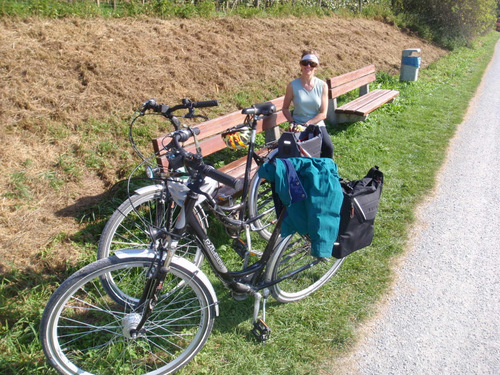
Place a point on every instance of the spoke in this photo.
(82, 325)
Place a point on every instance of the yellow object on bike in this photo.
(237, 139)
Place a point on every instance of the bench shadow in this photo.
(334, 129)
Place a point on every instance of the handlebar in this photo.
(168, 111)
(195, 161)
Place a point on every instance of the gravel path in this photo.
(443, 314)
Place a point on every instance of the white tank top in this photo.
(307, 104)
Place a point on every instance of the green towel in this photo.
(318, 213)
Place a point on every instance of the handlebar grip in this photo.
(207, 103)
(223, 178)
(184, 134)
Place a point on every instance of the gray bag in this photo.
(305, 143)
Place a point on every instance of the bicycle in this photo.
(255, 211)
(125, 227)
(162, 310)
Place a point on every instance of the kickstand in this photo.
(260, 329)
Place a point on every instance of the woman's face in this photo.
(308, 66)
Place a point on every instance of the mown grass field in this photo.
(408, 140)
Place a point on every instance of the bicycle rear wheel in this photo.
(302, 273)
(260, 202)
(84, 330)
(126, 228)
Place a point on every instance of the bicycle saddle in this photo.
(266, 108)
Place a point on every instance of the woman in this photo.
(309, 96)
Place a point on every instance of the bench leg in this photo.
(363, 90)
(271, 130)
(272, 135)
(344, 117)
(331, 116)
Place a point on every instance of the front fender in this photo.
(181, 262)
(148, 189)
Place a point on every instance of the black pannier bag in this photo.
(357, 215)
(296, 144)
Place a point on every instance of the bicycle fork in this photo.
(150, 296)
(154, 285)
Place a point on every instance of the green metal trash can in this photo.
(410, 65)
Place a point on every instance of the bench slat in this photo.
(361, 101)
(208, 145)
(350, 76)
(336, 91)
(378, 102)
(368, 103)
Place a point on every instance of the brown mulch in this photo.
(72, 71)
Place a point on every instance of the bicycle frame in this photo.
(250, 155)
(232, 280)
(246, 281)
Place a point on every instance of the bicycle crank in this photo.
(260, 329)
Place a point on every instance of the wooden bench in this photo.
(210, 139)
(367, 102)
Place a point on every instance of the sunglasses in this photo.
(312, 64)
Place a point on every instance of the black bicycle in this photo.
(148, 311)
(159, 201)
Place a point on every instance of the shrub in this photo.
(449, 22)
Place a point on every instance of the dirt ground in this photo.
(73, 71)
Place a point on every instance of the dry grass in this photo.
(57, 76)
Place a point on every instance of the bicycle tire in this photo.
(83, 330)
(260, 202)
(290, 254)
(125, 230)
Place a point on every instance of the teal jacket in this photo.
(313, 210)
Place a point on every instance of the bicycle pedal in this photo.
(240, 247)
(256, 253)
(261, 330)
(223, 199)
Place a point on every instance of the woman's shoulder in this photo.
(320, 81)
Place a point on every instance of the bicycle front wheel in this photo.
(301, 273)
(126, 229)
(84, 330)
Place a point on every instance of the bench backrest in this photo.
(210, 139)
(349, 81)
